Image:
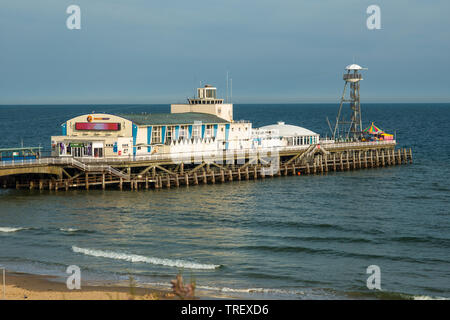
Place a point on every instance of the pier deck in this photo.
(166, 171)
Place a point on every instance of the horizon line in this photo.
(235, 103)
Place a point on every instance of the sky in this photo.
(283, 51)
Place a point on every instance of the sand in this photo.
(22, 286)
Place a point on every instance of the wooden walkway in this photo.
(318, 163)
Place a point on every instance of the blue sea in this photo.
(307, 237)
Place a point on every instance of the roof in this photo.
(373, 129)
(354, 67)
(146, 119)
(287, 130)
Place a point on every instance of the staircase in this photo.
(97, 168)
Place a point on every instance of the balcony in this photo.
(352, 76)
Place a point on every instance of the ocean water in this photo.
(308, 237)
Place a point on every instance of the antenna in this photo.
(227, 90)
(231, 90)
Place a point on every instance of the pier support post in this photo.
(103, 181)
(146, 182)
(308, 171)
(255, 173)
(239, 174)
(230, 175)
(195, 178)
(41, 185)
(247, 175)
(213, 176)
(348, 161)
(177, 181)
(377, 158)
(87, 181)
(168, 181)
(205, 180)
(365, 160)
(222, 176)
(334, 162)
(410, 156)
(67, 185)
(186, 179)
(121, 184)
(31, 185)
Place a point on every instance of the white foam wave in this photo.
(9, 229)
(69, 229)
(429, 298)
(253, 290)
(138, 258)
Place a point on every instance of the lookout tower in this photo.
(350, 128)
(206, 101)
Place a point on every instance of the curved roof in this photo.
(354, 67)
(287, 130)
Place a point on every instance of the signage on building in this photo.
(97, 126)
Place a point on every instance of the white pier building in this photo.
(204, 124)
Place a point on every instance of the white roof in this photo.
(287, 130)
(354, 67)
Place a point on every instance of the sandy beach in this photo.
(22, 286)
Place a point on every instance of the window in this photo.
(209, 131)
(183, 132)
(170, 134)
(196, 131)
(156, 134)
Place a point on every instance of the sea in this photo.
(294, 237)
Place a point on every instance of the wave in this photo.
(390, 295)
(9, 229)
(69, 229)
(253, 290)
(138, 258)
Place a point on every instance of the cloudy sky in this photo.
(158, 51)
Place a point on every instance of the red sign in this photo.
(97, 126)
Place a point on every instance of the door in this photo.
(98, 149)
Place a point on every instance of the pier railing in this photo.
(85, 163)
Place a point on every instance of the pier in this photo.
(164, 171)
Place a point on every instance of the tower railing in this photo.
(352, 76)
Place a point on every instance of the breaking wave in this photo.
(138, 258)
(9, 229)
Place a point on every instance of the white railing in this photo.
(174, 157)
